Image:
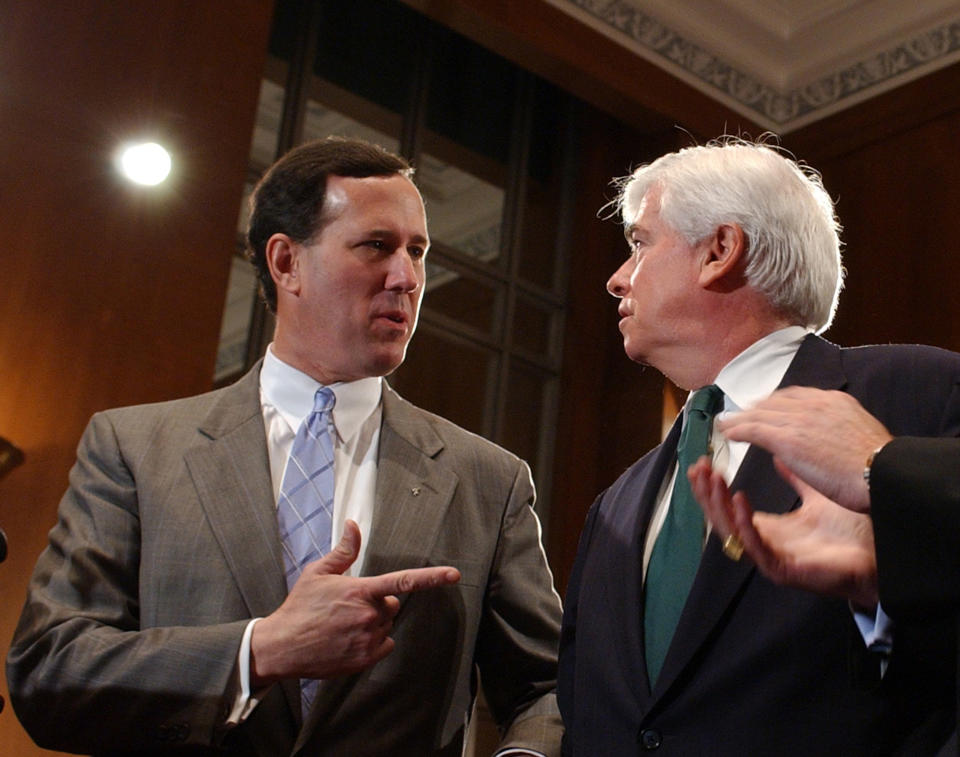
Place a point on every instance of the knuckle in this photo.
(368, 616)
(405, 583)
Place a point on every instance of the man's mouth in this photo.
(394, 316)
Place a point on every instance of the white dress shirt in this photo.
(286, 398)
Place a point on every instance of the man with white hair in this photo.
(670, 642)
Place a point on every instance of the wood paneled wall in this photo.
(610, 407)
(111, 294)
(893, 166)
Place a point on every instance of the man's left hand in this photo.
(821, 546)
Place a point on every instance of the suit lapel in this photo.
(625, 597)
(720, 580)
(817, 364)
(413, 490)
(230, 469)
(231, 472)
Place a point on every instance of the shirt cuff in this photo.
(244, 701)
(876, 630)
(877, 633)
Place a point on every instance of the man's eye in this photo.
(416, 252)
(376, 244)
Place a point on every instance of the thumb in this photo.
(341, 557)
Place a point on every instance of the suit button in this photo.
(650, 739)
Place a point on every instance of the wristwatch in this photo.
(869, 464)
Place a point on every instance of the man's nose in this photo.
(402, 274)
(618, 284)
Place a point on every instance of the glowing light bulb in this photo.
(147, 163)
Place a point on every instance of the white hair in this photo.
(792, 233)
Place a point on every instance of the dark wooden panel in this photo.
(112, 294)
(610, 408)
(897, 199)
(893, 166)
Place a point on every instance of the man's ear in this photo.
(723, 255)
(283, 260)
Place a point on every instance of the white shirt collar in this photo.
(291, 392)
(757, 371)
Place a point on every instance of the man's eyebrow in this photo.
(390, 233)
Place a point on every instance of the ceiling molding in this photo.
(789, 65)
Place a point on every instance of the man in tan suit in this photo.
(159, 619)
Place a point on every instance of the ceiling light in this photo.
(146, 163)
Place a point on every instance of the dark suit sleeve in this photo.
(517, 642)
(915, 505)
(82, 674)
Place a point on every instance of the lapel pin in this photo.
(415, 491)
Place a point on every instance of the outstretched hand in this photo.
(821, 546)
(331, 624)
(825, 437)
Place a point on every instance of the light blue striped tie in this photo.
(305, 505)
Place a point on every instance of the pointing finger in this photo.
(414, 579)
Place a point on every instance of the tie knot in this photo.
(708, 400)
(324, 400)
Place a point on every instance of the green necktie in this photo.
(676, 552)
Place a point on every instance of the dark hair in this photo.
(289, 198)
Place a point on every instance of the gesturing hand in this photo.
(331, 624)
(824, 437)
(821, 546)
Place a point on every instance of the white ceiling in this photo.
(783, 63)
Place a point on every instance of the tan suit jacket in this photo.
(166, 545)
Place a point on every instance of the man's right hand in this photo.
(331, 624)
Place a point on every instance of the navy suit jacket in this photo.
(915, 506)
(754, 668)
